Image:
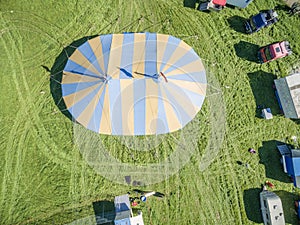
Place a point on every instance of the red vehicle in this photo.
(212, 5)
(274, 51)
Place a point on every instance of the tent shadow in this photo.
(104, 212)
(237, 23)
(247, 51)
(190, 3)
(270, 158)
(252, 205)
(262, 88)
(57, 73)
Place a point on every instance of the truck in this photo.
(274, 51)
(263, 19)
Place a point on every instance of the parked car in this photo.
(263, 19)
(274, 51)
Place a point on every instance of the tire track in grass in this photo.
(227, 160)
(210, 187)
(27, 21)
(235, 153)
(18, 171)
(10, 143)
(14, 130)
(229, 183)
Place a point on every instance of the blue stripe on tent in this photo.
(89, 54)
(150, 54)
(73, 67)
(199, 77)
(174, 40)
(106, 44)
(186, 59)
(127, 56)
(94, 123)
(115, 103)
(195, 98)
(80, 106)
(162, 122)
(139, 106)
(68, 89)
(182, 115)
(170, 48)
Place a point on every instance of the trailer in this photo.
(239, 3)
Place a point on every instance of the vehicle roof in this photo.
(219, 2)
(259, 20)
(278, 49)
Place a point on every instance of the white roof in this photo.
(293, 82)
(288, 90)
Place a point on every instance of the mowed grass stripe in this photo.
(12, 148)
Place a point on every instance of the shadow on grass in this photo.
(190, 3)
(270, 157)
(288, 199)
(57, 73)
(296, 121)
(262, 87)
(252, 205)
(237, 23)
(104, 212)
(246, 50)
(284, 8)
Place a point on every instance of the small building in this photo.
(288, 95)
(290, 162)
(239, 3)
(271, 208)
(124, 215)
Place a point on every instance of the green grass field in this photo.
(44, 178)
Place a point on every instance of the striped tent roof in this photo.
(134, 84)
